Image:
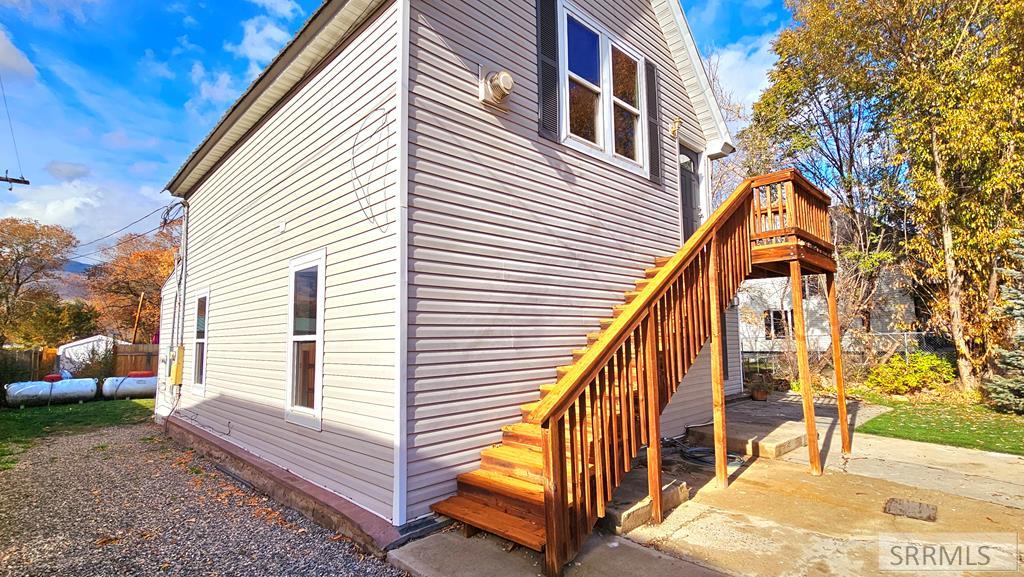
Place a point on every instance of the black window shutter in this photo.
(547, 68)
(653, 121)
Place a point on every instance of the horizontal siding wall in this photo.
(517, 245)
(322, 172)
(168, 338)
(691, 404)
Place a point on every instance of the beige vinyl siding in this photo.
(517, 245)
(321, 172)
(691, 404)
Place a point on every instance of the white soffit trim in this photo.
(328, 26)
(687, 58)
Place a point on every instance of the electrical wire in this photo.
(124, 228)
(10, 123)
(118, 243)
(165, 218)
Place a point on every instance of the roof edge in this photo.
(241, 114)
(723, 145)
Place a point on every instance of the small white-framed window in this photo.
(304, 389)
(200, 350)
(601, 82)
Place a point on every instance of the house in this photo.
(766, 315)
(425, 215)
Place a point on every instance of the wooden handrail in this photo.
(608, 405)
(569, 386)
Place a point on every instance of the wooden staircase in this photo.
(547, 482)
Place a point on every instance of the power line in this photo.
(10, 124)
(122, 229)
(118, 243)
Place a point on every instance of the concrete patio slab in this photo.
(767, 440)
(449, 554)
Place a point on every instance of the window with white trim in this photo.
(306, 339)
(602, 109)
(199, 347)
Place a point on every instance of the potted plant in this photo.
(759, 390)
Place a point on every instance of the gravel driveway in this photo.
(127, 501)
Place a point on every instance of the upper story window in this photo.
(601, 106)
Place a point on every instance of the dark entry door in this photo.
(689, 191)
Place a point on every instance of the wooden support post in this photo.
(717, 369)
(553, 444)
(800, 335)
(653, 417)
(837, 359)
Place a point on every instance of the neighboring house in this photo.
(71, 355)
(766, 313)
(384, 260)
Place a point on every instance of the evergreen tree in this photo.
(1006, 389)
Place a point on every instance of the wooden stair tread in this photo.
(482, 516)
(532, 459)
(505, 485)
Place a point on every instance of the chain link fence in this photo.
(861, 350)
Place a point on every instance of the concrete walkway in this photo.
(449, 554)
(775, 519)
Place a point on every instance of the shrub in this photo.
(99, 364)
(918, 372)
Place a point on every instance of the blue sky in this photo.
(108, 97)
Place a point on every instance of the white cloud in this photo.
(52, 12)
(286, 9)
(262, 38)
(213, 91)
(218, 91)
(150, 66)
(67, 170)
(89, 209)
(705, 15)
(743, 66)
(184, 45)
(12, 59)
(198, 72)
(121, 140)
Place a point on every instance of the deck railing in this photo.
(788, 208)
(603, 411)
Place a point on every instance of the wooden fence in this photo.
(26, 365)
(128, 358)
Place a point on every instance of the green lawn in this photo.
(19, 427)
(973, 426)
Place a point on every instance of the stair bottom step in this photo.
(482, 516)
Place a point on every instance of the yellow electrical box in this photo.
(178, 367)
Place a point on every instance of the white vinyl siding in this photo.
(691, 404)
(517, 245)
(164, 399)
(320, 172)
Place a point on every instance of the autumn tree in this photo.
(930, 93)
(52, 322)
(136, 267)
(823, 115)
(31, 255)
